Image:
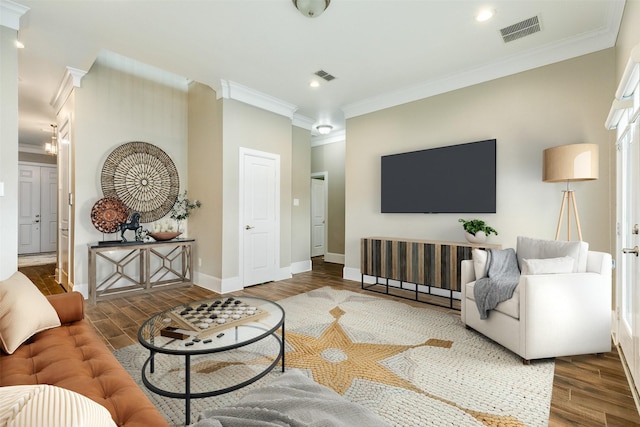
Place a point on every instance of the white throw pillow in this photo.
(24, 312)
(548, 265)
(479, 257)
(47, 405)
(540, 249)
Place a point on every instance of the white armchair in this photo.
(549, 315)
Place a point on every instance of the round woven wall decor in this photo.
(143, 177)
(107, 213)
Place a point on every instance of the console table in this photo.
(138, 266)
(422, 264)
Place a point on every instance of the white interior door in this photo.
(48, 209)
(29, 209)
(318, 215)
(260, 201)
(628, 241)
(64, 207)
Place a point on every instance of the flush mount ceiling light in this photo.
(311, 8)
(485, 15)
(324, 129)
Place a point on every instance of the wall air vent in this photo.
(521, 29)
(324, 75)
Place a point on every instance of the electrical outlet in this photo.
(199, 262)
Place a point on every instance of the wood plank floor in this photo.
(587, 390)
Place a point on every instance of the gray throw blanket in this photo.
(504, 276)
(292, 400)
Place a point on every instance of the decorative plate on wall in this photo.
(108, 213)
(143, 177)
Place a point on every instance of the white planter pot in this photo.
(479, 237)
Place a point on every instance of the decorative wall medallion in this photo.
(108, 213)
(143, 177)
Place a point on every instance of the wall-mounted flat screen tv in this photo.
(452, 179)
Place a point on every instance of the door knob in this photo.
(248, 227)
(635, 250)
(36, 221)
(636, 229)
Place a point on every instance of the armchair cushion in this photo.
(548, 265)
(479, 257)
(538, 249)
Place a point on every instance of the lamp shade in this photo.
(572, 162)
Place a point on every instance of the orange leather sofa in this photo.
(73, 356)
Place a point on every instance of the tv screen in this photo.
(453, 179)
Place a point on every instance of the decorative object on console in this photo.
(133, 223)
(568, 163)
(144, 177)
(476, 230)
(182, 208)
(108, 213)
(162, 236)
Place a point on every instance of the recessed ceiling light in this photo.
(485, 15)
(314, 83)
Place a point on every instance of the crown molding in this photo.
(302, 121)
(544, 55)
(232, 90)
(72, 78)
(337, 136)
(10, 13)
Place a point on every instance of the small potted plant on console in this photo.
(476, 230)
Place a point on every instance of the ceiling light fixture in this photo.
(485, 15)
(52, 147)
(314, 83)
(311, 8)
(324, 129)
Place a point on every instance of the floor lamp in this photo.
(568, 163)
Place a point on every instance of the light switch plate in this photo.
(1, 189)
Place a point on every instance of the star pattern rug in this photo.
(412, 366)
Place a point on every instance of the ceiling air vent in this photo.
(521, 29)
(324, 75)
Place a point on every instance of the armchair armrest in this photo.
(562, 314)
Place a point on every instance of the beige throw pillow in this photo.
(24, 312)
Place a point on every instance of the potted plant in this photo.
(476, 230)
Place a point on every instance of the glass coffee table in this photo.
(207, 327)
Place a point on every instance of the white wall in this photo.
(554, 105)
(121, 101)
(8, 152)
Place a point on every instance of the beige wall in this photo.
(301, 190)
(330, 158)
(121, 101)
(253, 128)
(628, 36)
(554, 105)
(8, 152)
(205, 179)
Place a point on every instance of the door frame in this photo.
(325, 177)
(242, 154)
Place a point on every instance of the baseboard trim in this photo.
(300, 266)
(215, 284)
(334, 258)
(627, 373)
(350, 273)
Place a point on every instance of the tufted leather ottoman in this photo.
(74, 357)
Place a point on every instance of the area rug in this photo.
(36, 259)
(412, 366)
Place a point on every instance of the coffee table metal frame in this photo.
(155, 324)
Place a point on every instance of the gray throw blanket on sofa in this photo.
(504, 276)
